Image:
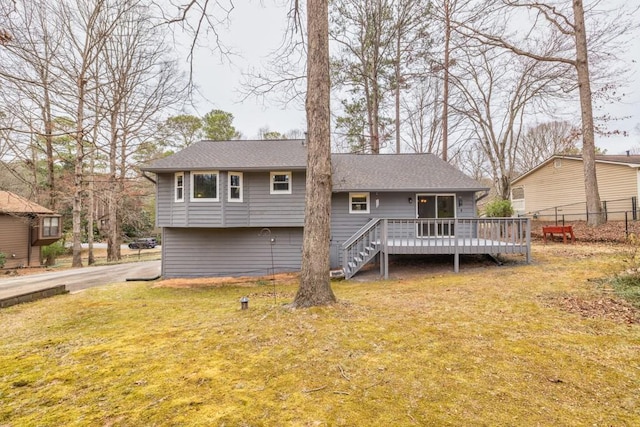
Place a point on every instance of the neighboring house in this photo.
(237, 208)
(555, 188)
(24, 227)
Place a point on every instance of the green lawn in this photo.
(488, 346)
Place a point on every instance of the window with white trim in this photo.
(358, 202)
(51, 226)
(179, 186)
(234, 187)
(280, 183)
(204, 186)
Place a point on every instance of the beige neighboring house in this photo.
(555, 189)
(25, 227)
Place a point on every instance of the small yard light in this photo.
(244, 303)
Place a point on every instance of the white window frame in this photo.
(368, 202)
(271, 182)
(50, 220)
(240, 187)
(176, 187)
(200, 199)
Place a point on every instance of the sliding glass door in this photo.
(435, 206)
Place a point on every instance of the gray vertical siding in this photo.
(258, 208)
(202, 252)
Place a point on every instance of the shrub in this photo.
(52, 251)
(3, 259)
(499, 209)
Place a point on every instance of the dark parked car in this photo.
(144, 243)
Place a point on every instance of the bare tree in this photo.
(315, 285)
(423, 116)
(498, 87)
(541, 141)
(558, 34)
(140, 81)
(30, 82)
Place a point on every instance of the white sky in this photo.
(255, 31)
(257, 28)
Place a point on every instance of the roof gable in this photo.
(12, 203)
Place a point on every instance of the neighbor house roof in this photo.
(630, 160)
(394, 172)
(237, 155)
(12, 203)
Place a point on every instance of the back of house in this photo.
(237, 207)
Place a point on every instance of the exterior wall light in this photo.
(410, 199)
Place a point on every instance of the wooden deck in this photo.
(383, 237)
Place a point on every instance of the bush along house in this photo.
(232, 208)
(25, 227)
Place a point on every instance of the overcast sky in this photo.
(256, 29)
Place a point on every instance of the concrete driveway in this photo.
(79, 278)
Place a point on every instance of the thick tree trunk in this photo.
(48, 141)
(397, 94)
(594, 207)
(315, 285)
(78, 177)
(113, 244)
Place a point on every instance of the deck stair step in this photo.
(361, 248)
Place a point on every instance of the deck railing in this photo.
(464, 235)
(435, 236)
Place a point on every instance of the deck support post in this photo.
(384, 254)
(528, 239)
(456, 250)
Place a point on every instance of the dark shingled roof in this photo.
(235, 155)
(351, 172)
(396, 172)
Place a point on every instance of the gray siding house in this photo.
(230, 208)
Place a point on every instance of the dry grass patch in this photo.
(476, 348)
(246, 281)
